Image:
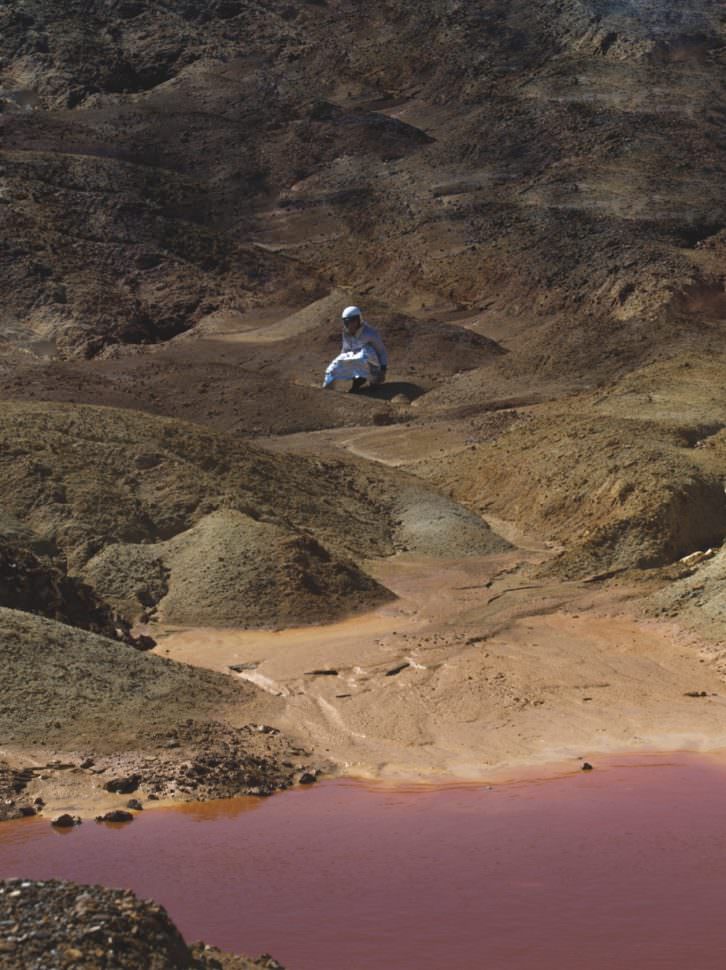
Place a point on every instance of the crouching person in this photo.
(363, 358)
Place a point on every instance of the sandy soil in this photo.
(477, 669)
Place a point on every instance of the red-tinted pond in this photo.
(621, 867)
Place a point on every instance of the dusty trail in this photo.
(477, 668)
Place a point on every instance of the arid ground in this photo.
(214, 578)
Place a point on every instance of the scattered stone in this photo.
(240, 668)
(62, 925)
(307, 778)
(143, 642)
(586, 766)
(124, 785)
(27, 811)
(695, 693)
(65, 821)
(135, 804)
(118, 815)
(321, 673)
(697, 557)
(87, 763)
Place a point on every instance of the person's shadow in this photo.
(392, 389)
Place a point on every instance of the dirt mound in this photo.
(421, 351)
(696, 596)
(617, 493)
(73, 921)
(27, 583)
(231, 570)
(202, 527)
(84, 479)
(433, 525)
(172, 730)
(67, 687)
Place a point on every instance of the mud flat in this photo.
(480, 666)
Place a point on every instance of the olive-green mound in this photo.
(230, 569)
(85, 479)
(72, 689)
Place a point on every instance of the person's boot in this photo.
(358, 383)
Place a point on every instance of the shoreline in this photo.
(474, 674)
(501, 776)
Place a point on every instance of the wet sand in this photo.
(622, 866)
(477, 668)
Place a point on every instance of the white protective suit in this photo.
(362, 355)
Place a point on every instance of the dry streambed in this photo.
(500, 659)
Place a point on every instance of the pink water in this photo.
(623, 867)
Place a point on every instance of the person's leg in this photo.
(358, 383)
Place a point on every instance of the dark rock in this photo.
(307, 778)
(27, 810)
(65, 821)
(695, 693)
(118, 815)
(143, 642)
(321, 673)
(87, 763)
(123, 786)
(135, 804)
(586, 766)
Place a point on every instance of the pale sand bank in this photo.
(503, 671)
